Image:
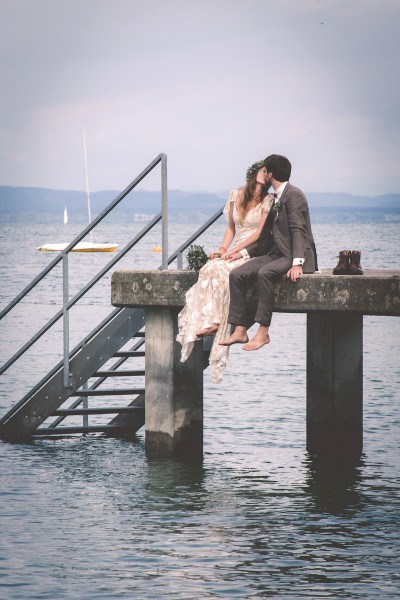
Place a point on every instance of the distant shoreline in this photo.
(317, 216)
(40, 205)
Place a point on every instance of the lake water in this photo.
(92, 518)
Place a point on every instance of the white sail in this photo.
(81, 246)
(87, 182)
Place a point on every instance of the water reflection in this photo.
(176, 485)
(334, 486)
(285, 525)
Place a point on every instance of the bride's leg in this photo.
(214, 280)
(208, 330)
(208, 281)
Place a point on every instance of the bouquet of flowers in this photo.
(196, 258)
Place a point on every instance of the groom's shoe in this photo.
(355, 263)
(342, 268)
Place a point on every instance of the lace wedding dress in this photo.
(207, 301)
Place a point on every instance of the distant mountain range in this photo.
(41, 205)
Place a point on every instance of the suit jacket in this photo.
(290, 229)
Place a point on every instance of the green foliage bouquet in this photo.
(196, 258)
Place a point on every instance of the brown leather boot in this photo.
(342, 268)
(355, 263)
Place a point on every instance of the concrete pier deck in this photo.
(335, 305)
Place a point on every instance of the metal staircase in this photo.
(95, 378)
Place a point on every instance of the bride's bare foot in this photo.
(258, 341)
(207, 331)
(237, 337)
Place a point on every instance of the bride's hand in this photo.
(215, 254)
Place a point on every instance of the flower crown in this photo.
(255, 167)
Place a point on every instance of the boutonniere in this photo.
(277, 207)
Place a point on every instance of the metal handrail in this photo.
(107, 319)
(63, 256)
(160, 158)
(175, 255)
(67, 304)
(79, 295)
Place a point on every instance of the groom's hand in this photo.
(295, 272)
(234, 256)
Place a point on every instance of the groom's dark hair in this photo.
(279, 166)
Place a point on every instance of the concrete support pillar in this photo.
(334, 383)
(174, 390)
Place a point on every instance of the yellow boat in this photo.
(80, 247)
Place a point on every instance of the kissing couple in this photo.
(272, 237)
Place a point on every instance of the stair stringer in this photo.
(22, 420)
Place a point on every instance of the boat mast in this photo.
(87, 181)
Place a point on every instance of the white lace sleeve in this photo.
(266, 203)
(232, 198)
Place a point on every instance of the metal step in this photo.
(89, 429)
(118, 373)
(110, 410)
(86, 358)
(121, 392)
(129, 353)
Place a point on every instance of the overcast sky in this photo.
(215, 84)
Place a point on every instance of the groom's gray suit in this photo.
(286, 235)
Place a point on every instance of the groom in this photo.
(286, 245)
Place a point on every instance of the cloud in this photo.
(215, 85)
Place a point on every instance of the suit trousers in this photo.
(266, 270)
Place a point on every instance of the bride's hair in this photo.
(248, 193)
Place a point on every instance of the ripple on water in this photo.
(88, 518)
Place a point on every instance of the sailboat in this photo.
(90, 246)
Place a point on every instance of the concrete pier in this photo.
(334, 383)
(335, 305)
(174, 390)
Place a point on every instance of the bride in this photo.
(207, 301)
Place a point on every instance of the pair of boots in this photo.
(349, 263)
